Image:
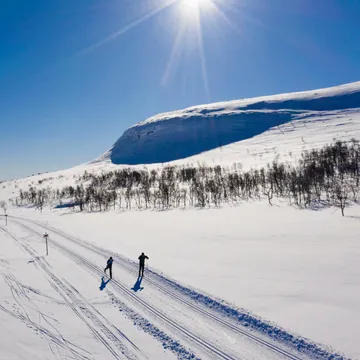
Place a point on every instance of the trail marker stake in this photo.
(46, 235)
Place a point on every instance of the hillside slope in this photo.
(184, 133)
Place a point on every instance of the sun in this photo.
(191, 19)
(193, 7)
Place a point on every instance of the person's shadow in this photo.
(137, 285)
(103, 284)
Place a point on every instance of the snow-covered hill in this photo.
(181, 134)
(260, 129)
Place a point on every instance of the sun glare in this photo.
(190, 18)
(193, 7)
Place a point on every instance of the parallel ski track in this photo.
(220, 354)
(172, 294)
(216, 318)
(86, 314)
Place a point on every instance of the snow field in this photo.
(286, 265)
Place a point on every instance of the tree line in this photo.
(328, 176)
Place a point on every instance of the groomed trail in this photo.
(187, 323)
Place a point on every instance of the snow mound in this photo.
(185, 133)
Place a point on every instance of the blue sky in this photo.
(61, 105)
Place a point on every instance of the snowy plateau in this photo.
(237, 276)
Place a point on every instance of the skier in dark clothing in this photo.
(142, 258)
(109, 266)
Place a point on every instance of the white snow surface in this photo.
(189, 132)
(269, 101)
(298, 271)
(245, 282)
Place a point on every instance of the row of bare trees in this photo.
(36, 197)
(322, 177)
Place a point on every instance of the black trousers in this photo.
(141, 269)
(110, 270)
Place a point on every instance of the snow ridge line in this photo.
(239, 316)
(80, 308)
(168, 343)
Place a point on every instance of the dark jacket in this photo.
(109, 262)
(142, 259)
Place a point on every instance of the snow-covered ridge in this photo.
(279, 101)
(185, 133)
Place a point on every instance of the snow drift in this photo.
(184, 133)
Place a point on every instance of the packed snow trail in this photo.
(211, 350)
(203, 304)
(181, 302)
(158, 283)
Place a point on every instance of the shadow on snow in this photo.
(137, 285)
(103, 284)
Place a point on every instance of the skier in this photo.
(109, 266)
(142, 258)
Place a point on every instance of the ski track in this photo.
(18, 293)
(211, 308)
(106, 333)
(206, 306)
(173, 345)
(167, 342)
(53, 338)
